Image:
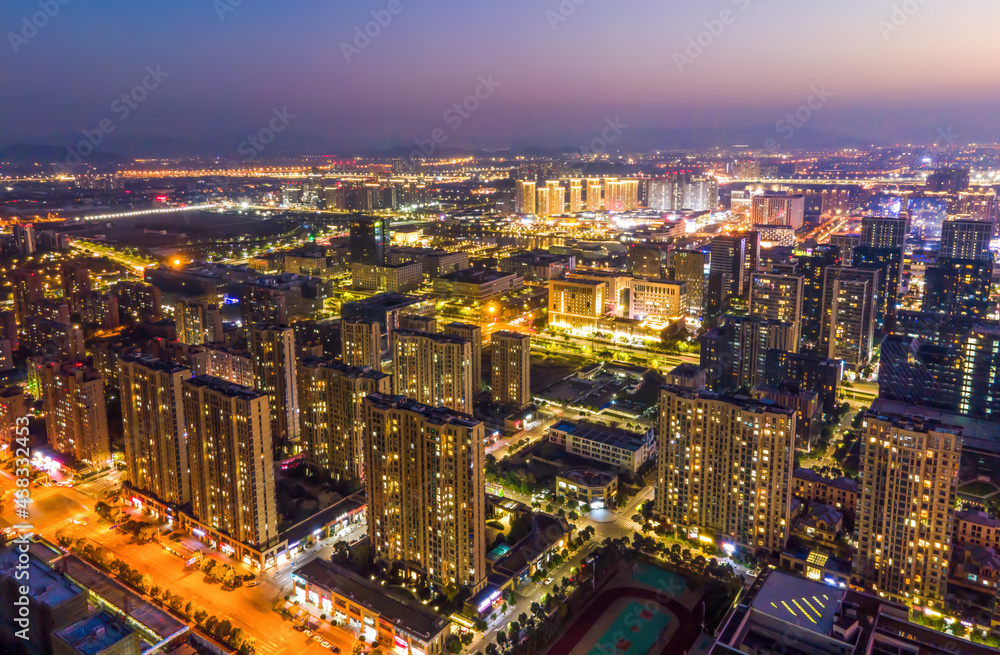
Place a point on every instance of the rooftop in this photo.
(804, 603)
(437, 415)
(154, 363)
(95, 634)
(226, 387)
(588, 477)
(439, 337)
(978, 517)
(47, 586)
(353, 372)
(476, 276)
(614, 437)
(977, 434)
(411, 617)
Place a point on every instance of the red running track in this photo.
(683, 638)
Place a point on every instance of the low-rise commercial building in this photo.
(614, 446)
(598, 489)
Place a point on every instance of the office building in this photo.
(75, 278)
(198, 322)
(524, 197)
(576, 304)
(391, 278)
(433, 369)
(369, 240)
(724, 467)
(966, 239)
(76, 418)
(474, 335)
(848, 314)
(778, 296)
(648, 260)
(29, 290)
(272, 348)
(332, 420)
(658, 298)
(906, 504)
(477, 284)
(230, 455)
(510, 357)
(778, 209)
(735, 352)
(620, 448)
(263, 304)
(361, 344)
(156, 456)
(425, 490)
(138, 302)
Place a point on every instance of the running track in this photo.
(685, 636)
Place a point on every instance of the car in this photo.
(335, 649)
(253, 583)
(325, 643)
(307, 631)
(298, 628)
(317, 638)
(549, 580)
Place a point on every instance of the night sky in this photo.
(559, 74)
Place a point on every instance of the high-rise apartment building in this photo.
(262, 304)
(75, 278)
(735, 353)
(621, 195)
(724, 467)
(29, 290)
(966, 239)
(882, 232)
(701, 193)
(958, 287)
(691, 267)
(557, 198)
(370, 237)
(595, 201)
(24, 237)
(524, 197)
(76, 418)
(848, 314)
(778, 209)
(229, 450)
(511, 361)
(361, 343)
(735, 258)
(198, 322)
(778, 295)
(12, 408)
(813, 272)
(426, 491)
(138, 302)
(433, 369)
(156, 456)
(474, 335)
(332, 420)
(272, 348)
(575, 196)
(576, 304)
(906, 503)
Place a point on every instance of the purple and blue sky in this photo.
(608, 58)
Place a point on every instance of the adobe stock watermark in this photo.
(122, 107)
(562, 12)
(253, 145)
(610, 134)
(365, 34)
(900, 15)
(455, 116)
(30, 25)
(794, 120)
(703, 40)
(223, 7)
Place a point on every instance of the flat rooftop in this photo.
(47, 586)
(408, 616)
(476, 276)
(614, 437)
(807, 604)
(95, 634)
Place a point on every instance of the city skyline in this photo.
(867, 72)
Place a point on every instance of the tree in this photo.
(219, 571)
(481, 625)
(200, 615)
(223, 628)
(515, 628)
(210, 623)
(228, 576)
(144, 583)
(236, 637)
(206, 564)
(522, 618)
(491, 649)
(147, 532)
(451, 592)
(501, 637)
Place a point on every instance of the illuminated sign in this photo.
(485, 603)
(197, 532)
(400, 642)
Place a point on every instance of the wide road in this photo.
(65, 508)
